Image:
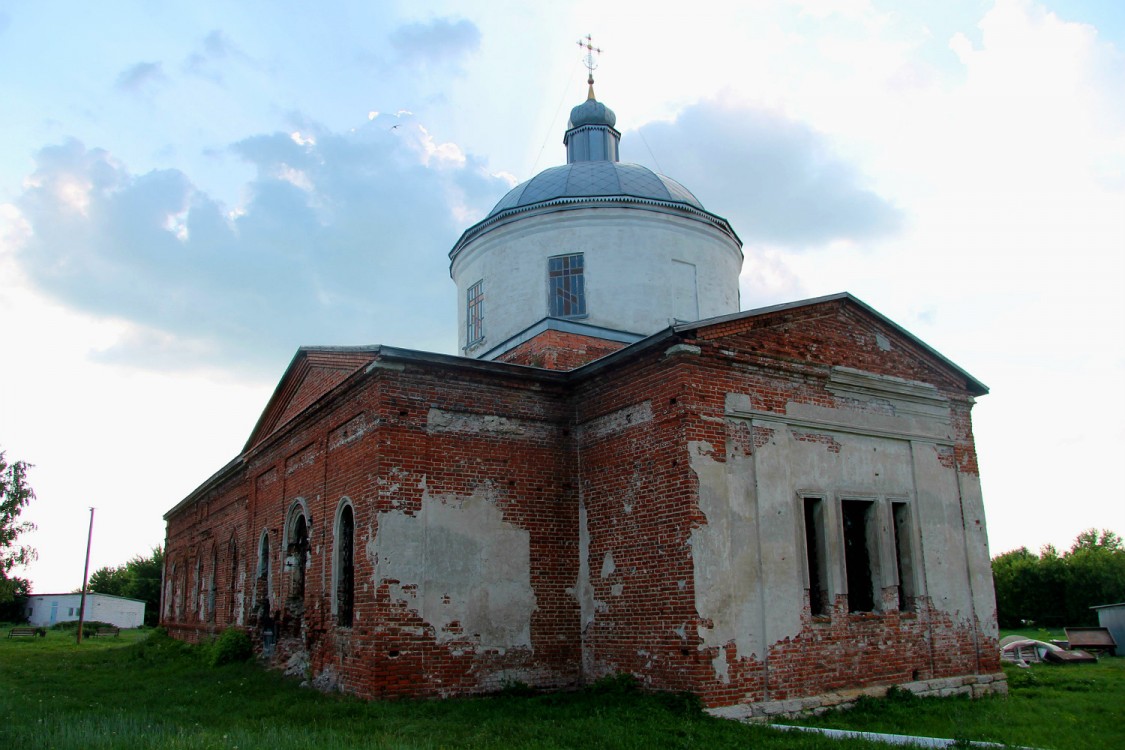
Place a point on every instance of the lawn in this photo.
(147, 691)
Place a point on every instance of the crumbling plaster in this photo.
(890, 440)
(460, 566)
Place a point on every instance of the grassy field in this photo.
(147, 691)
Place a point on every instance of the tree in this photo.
(1056, 590)
(137, 579)
(15, 494)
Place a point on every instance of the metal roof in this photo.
(585, 179)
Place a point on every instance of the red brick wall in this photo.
(616, 443)
(558, 350)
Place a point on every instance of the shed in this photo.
(1112, 618)
(44, 610)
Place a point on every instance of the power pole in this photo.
(85, 578)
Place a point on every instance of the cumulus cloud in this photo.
(141, 77)
(342, 239)
(440, 41)
(775, 179)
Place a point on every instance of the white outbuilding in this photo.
(45, 610)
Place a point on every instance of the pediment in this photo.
(311, 375)
(845, 335)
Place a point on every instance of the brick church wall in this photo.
(657, 498)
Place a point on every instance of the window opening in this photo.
(904, 555)
(296, 556)
(212, 584)
(199, 584)
(567, 286)
(345, 577)
(261, 585)
(232, 604)
(474, 314)
(815, 555)
(858, 555)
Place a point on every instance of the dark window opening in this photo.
(212, 585)
(904, 555)
(345, 580)
(296, 557)
(857, 554)
(233, 586)
(261, 586)
(815, 556)
(567, 286)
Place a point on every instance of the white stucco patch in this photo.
(727, 568)
(615, 421)
(607, 565)
(458, 561)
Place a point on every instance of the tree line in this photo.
(137, 579)
(1055, 590)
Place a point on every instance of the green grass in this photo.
(148, 691)
(1063, 707)
(158, 693)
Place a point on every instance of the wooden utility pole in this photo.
(85, 577)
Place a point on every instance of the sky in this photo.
(191, 191)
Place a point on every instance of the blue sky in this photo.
(189, 192)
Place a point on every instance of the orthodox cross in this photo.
(589, 60)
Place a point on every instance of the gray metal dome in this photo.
(589, 179)
(592, 112)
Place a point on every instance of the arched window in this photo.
(345, 565)
(234, 616)
(262, 580)
(212, 583)
(296, 559)
(170, 591)
(181, 592)
(199, 583)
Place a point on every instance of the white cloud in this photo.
(341, 239)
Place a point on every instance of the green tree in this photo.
(137, 579)
(15, 494)
(1056, 590)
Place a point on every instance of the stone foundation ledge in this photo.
(974, 686)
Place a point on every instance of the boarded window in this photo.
(816, 555)
(685, 294)
(566, 276)
(859, 553)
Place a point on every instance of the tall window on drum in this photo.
(474, 313)
(567, 286)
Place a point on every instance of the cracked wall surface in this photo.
(463, 569)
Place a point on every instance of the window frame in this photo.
(474, 314)
(566, 286)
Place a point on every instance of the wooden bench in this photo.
(105, 632)
(25, 632)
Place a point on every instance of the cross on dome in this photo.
(589, 60)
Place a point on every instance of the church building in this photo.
(620, 472)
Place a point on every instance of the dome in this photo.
(592, 112)
(596, 179)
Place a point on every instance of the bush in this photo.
(89, 627)
(232, 646)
